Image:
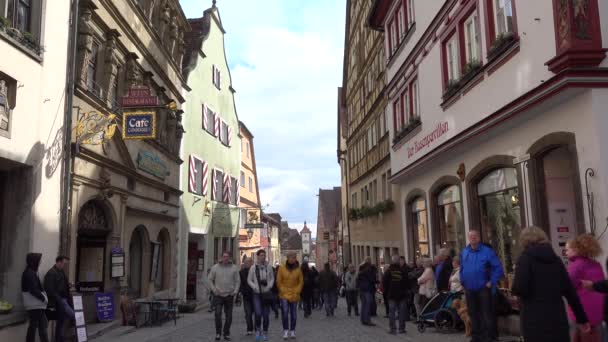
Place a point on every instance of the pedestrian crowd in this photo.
(557, 302)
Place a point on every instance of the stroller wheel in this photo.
(421, 327)
(445, 320)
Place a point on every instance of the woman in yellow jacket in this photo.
(289, 282)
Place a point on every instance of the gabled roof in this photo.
(194, 39)
(305, 229)
(330, 209)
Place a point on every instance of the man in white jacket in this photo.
(261, 279)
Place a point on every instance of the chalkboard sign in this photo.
(104, 305)
(81, 328)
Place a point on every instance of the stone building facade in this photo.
(125, 193)
(375, 227)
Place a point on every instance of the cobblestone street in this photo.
(200, 327)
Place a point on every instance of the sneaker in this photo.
(249, 333)
(293, 335)
(285, 334)
(265, 337)
(218, 337)
(227, 338)
(258, 338)
(393, 332)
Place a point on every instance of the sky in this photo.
(285, 58)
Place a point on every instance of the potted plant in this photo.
(500, 44)
(451, 89)
(29, 40)
(4, 23)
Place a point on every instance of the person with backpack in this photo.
(261, 280)
(34, 299)
(396, 288)
(366, 284)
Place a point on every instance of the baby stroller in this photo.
(439, 312)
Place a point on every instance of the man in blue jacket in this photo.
(480, 271)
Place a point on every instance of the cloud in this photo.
(286, 65)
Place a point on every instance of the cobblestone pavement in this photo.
(200, 327)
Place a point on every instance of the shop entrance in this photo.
(93, 229)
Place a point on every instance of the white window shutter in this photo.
(205, 113)
(213, 186)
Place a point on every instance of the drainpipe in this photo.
(66, 171)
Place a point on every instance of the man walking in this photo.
(480, 271)
(350, 286)
(366, 283)
(58, 290)
(224, 281)
(396, 287)
(247, 294)
(328, 283)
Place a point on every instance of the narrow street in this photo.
(341, 328)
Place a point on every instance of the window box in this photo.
(24, 39)
(411, 125)
(500, 45)
(365, 211)
(469, 71)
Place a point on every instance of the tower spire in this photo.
(213, 3)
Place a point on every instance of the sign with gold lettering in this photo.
(139, 97)
(139, 125)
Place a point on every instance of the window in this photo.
(449, 228)
(219, 185)
(393, 36)
(250, 184)
(247, 149)
(383, 181)
(453, 63)
(419, 227)
(375, 191)
(224, 133)
(208, 120)
(354, 205)
(471, 39)
(196, 176)
(370, 138)
(401, 21)
(397, 115)
(503, 16)
(405, 102)
(388, 185)
(92, 67)
(217, 76)
(8, 96)
(410, 13)
(114, 88)
(234, 193)
(243, 179)
(24, 15)
(414, 98)
(383, 127)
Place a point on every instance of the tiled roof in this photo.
(290, 239)
(330, 209)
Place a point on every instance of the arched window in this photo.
(420, 227)
(500, 211)
(449, 231)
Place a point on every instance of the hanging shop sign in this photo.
(138, 97)
(139, 125)
(152, 164)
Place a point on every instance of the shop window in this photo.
(449, 232)
(500, 213)
(419, 227)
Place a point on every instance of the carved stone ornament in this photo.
(461, 172)
(5, 110)
(134, 76)
(92, 217)
(173, 37)
(85, 41)
(111, 66)
(165, 18)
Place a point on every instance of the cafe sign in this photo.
(152, 164)
(139, 125)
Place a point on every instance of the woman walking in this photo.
(290, 282)
(34, 299)
(261, 280)
(540, 282)
(580, 252)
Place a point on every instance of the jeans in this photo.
(351, 301)
(289, 314)
(64, 313)
(386, 304)
(37, 321)
(397, 307)
(226, 303)
(307, 302)
(479, 304)
(249, 313)
(262, 311)
(330, 298)
(367, 299)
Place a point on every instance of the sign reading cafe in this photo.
(139, 125)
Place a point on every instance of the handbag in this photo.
(267, 297)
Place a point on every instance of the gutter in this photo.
(66, 170)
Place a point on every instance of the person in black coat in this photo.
(34, 299)
(328, 284)
(396, 289)
(247, 294)
(58, 290)
(308, 289)
(540, 282)
(443, 270)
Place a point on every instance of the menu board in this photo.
(81, 328)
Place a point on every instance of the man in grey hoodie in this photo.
(224, 281)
